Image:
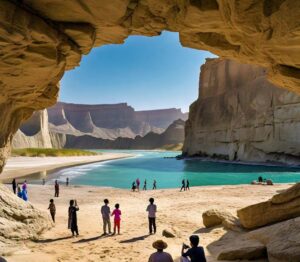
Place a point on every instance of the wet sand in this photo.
(18, 167)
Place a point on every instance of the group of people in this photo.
(185, 185)
(21, 191)
(262, 181)
(136, 185)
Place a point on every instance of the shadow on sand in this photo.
(50, 240)
(134, 239)
(84, 240)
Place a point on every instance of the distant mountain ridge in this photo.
(109, 121)
(100, 126)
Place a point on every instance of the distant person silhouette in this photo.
(138, 182)
(260, 179)
(72, 221)
(20, 192)
(56, 189)
(187, 185)
(52, 209)
(183, 185)
(154, 184)
(145, 185)
(133, 187)
(14, 185)
(44, 181)
(67, 181)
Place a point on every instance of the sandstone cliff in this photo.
(239, 115)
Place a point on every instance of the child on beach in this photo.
(117, 218)
(52, 209)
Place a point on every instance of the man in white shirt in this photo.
(151, 209)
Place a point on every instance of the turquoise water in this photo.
(169, 172)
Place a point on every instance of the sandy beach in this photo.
(179, 211)
(17, 167)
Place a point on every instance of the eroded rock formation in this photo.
(40, 39)
(240, 116)
(19, 220)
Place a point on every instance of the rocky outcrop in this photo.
(214, 217)
(173, 135)
(240, 116)
(41, 39)
(34, 132)
(283, 206)
(19, 220)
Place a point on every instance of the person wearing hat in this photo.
(160, 255)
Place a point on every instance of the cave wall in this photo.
(240, 115)
(41, 39)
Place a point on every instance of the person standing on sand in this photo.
(154, 184)
(14, 185)
(145, 185)
(24, 195)
(151, 209)
(117, 219)
(67, 181)
(44, 181)
(187, 185)
(56, 189)
(133, 187)
(195, 253)
(138, 184)
(52, 209)
(72, 221)
(183, 185)
(105, 211)
(160, 255)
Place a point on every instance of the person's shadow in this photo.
(51, 240)
(134, 239)
(84, 240)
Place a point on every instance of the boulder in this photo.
(171, 232)
(253, 250)
(19, 220)
(214, 217)
(283, 206)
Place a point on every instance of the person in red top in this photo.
(117, 218)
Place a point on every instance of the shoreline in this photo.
(20, 167)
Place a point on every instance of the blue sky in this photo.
(146, 72)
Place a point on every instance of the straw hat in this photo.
(159, 244)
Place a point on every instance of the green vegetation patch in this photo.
(172, 147)
(42, 152)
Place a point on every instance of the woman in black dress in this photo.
(72, 222)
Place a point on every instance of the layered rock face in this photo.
(239, 115)
(173, 135)
(34, 132)
(109, 121)
(40, 39)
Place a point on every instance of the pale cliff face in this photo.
(239, 115)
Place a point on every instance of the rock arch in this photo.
(41, 39)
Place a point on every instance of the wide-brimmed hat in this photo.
(159, 244)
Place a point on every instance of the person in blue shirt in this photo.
(20, 195)
(195, 253)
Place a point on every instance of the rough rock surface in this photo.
(283, 206)
(240, 116)
(19, 220)
(214, 217)
(40, 39)
(281, 243)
